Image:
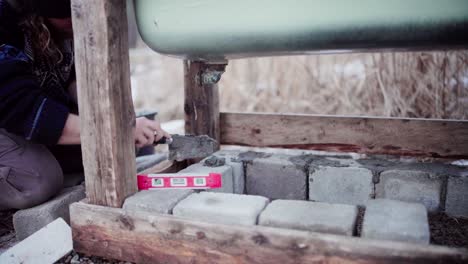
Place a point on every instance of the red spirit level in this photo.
(179, 181)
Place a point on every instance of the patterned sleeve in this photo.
(24, 108)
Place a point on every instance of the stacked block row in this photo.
(384, 219)
(439, 187)
(317, 193)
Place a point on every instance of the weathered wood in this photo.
(201, 100)
(399, 136)
(166, 166)
(150, 238)
(105, 101)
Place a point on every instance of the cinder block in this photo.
(396, 220)
(30, 220)
(345, 185)
(276, 177)
(231, 159)
(156, 201)
(456, 203)
(224, 208)
(337, 219)
(411, 186)
(225, 170)
(47, 245)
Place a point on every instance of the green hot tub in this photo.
(225, 29)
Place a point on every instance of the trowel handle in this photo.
(163, 140)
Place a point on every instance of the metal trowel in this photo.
(189, 147)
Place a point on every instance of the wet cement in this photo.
(248, 156)
(434, 170)
(214, 161)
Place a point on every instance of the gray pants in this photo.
(30, 174)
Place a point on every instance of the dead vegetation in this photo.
(422, 84)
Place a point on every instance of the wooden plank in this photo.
(105, 100)
(201, 100)
(399, 136)
(150, 238)
(166, 166)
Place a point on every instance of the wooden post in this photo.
(202, 98)
(105, 101)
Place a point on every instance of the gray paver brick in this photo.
(28, 221)
(231, 159)
(276, 177)
(346, 185)
(411, 186)
(225, 170)
(222, 208)
(337, 219)
(396, 220)
(456, 203)
(157, 201)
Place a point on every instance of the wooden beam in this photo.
(105, 101)
(202, 98)
(166, 166)
(399, 136)
(143, 237)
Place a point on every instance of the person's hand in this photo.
(148, 131)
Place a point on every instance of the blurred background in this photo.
(403, 84)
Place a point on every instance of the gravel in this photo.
(448, 231)
(359, 220)
(78, 258)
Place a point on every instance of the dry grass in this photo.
(429, 84)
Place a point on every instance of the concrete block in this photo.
(337, 219)
(225, 170)
(276, 177)
(221, 208)
(456, 203)
(396, 220)
(47, 245)
(411, 186)
(30, 220)
(231, 159)
(156, 201)
(345, 185)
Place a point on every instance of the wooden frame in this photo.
(144, 237)
(373, 135)
(101, 228)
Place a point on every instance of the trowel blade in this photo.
(191, 147)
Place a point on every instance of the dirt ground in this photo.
(448, 231)
(75, 258)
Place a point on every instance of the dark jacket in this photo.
(27, 108)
